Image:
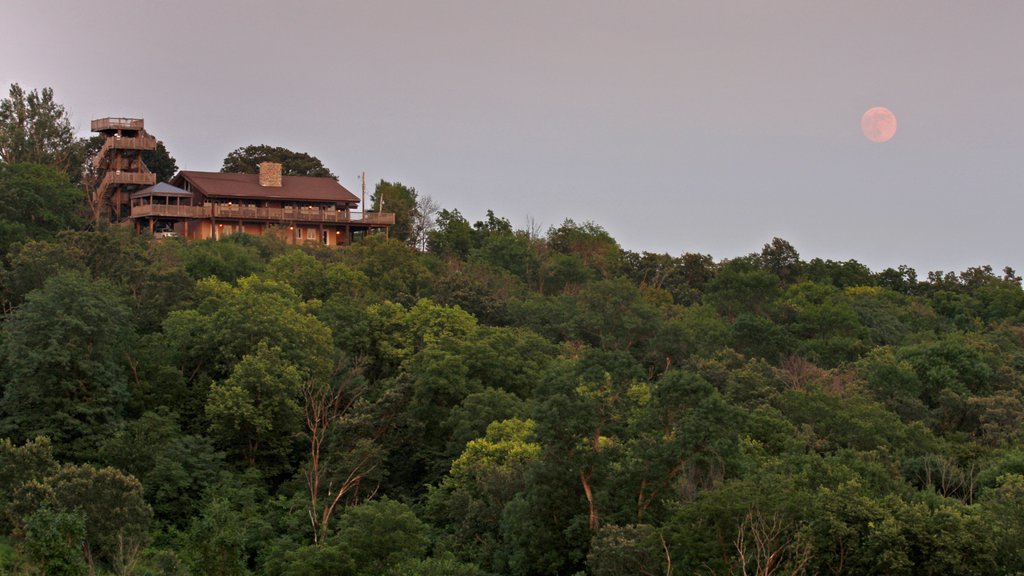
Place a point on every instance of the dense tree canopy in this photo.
(160, 162)
(502, 402)
(35, 129)
(36, 202)
(246, 160)
(401, 200)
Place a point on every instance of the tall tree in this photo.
(247, 161)
(254, 414)
(111, 503)
(402, 200)
(590, 242)
(160, 162)
(36, 202)
(65, 351)
(34, 128)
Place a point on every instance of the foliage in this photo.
(36, 202)
(503, 403)
(65, 355)
(246, 160)
(254, 413)
(160, 162)
(402, 201)
(227, 261)
(173, 467)
(53, 541)
(35, 129)
(110, 505)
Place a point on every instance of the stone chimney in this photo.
(270, 174)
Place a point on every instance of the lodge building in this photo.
(205, 205)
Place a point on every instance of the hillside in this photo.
(502, 403)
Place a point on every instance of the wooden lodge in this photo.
(300, 209)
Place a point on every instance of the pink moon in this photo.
(878, 124)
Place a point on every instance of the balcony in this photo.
(103, 124)
(146, 142)
(277, 215)
(121, 177)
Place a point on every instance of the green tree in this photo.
(612, 315)
(160, 162)
(781, 259)
(902, 280)
(839, 274)
(1003, 509)
(382, 534)
(216, 542)
(470, 500)
(116, 515)
(202, 345)
(590, 242)
(66, 350)
(227, 261)
(480, 289)
(36, 202)
(452, 236)
(34, 128)
(230, 322)
(636, 549)
(443, 566)
(232, 527)
(401, 200)
(751, 526)
(395, 271)
(741, 286)
(511, 252)
(246, 160)
(512, 359)
(54, 540)
(470, 419)
(303, 272)
(174, 468)
(30, 462)
(255, 414)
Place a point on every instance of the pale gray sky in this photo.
(682, 126)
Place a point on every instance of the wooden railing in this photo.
(101, 124)
(122, 177)
(166, 210)
(235, 212)
(146, 142)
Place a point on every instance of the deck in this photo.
(243, 213)
(104, 124)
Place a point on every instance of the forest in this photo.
(470, 399)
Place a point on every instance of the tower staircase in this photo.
(118, 166)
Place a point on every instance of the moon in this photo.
(878, 124)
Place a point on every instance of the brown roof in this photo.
(229, 185)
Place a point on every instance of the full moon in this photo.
(878, 124)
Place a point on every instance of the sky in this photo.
(678, 126)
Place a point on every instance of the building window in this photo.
(298, 233)
(310, 234)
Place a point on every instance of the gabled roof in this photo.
(230, 185)
(163, 189)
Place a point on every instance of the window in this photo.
(298, 233)
(310, 234)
